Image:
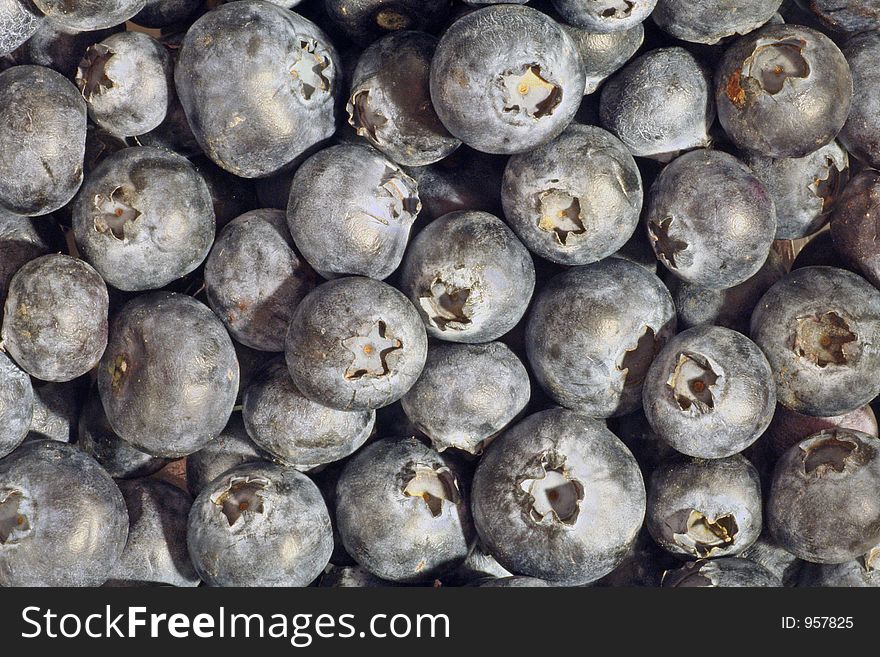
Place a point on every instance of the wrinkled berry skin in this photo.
(16, 405)
(659, 104)
(467, 394)
(44, 116)
(96, 438)
(587, 176)
(710, 220)
(390, 100)
(18, 23)
(710, 21)
(824, 503)
(126, 81)
(702, 509)
(579, 360)
(55, 319)
(506, 79)
(805, 190)
(818, 327)
(853, 224)
(364, 21)
(787, 113)
(860, 134)
(21, 240)
(845, 15)
(469, 276)
(350, 211)
(355, 344)
(259, 524)
(144, 218)
(586, 527)
(605, 15)
(233, 447)
(603, 54)
(709, 393)
(789, 427)
(155, 552)
(169, 377)
(70, 522)
(254, 120)
(296, 430)
(254, 279)
(732, 572)
(409, 538)
(89, 14)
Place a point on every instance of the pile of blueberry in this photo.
(442, 293)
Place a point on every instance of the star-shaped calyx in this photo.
(665, 245)
(370, 352)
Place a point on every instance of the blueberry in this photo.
(174, 134)
(16, 405)
(63, 520)
(126, 81)
(469, 276)
(709, 21)
(232, 196)
(558, 497)
(467, 394)
(784, 565)
(156, 551)
(709, 393)
(862, 572)
(143, 218)
(603, 54)
(169, 377)
(604, 15)
(511, 582)
(259, 524)
(643, 566)
(350, 211)
(721, 573)
(165, 13)
(783, 91)
(576, 199)
(89, 14)
(478, 565)
(364, 21)
(390, 100)
(805, 190)
(233, 447)
(254, 279)
(845, 15)
(348, 577)
(506, 79)
(18, 23)
(577, 357)
(55, 319)
(60, 48)
(355, 344)
(660, 104)
(703, 508)
(45, 168)
(860, 134)
(789, 427)
(419, 523)
(56, 411)
(254, 119)
(824, 503)
(296, 430)
(818, 327)
(21, 240)
(853, 222)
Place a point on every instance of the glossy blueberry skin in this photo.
(350, 211)
(21, 240)
(788, 427)
(789, 114)
(254, 119)
(605, 15)
(254, 280)
(156, 551)
(736, 397)
(710, 220)
(824, 503)
(406, 539)
(860, 134)
(18, 23)
(853, 222)
(710, 21)
(527, 535)
(281, 538)
(705, 508)
(233, 447)
(355, 344)
(580, 361)
(481, 50)
(796, 315)
(165, 13)
(659, 104)
(55, 318)
(96, 438)
(364, 21)
(732, 572)
(805, 190)
(846, 15)
(16, 405)
(166, 225)
(126, 81)
(169, 377)
(603, 54)
(467, 394)
(469, 276)
(589, 175)
(56, 489)
(296, 430)
(389, 103)
(45, 169)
